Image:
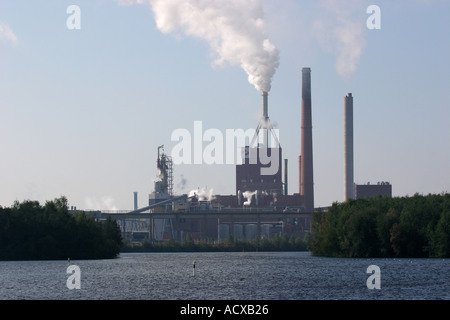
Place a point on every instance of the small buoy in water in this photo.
(193, 268)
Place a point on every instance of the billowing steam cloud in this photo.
(234, 30)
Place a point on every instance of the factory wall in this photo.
(370, 190)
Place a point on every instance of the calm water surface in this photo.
(219, 276)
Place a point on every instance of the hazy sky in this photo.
(83, 111)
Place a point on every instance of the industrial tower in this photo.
(306, 158)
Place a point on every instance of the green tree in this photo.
(440, 239)
(31, 231)
(384, 226)
(380, 226)
(360, 234)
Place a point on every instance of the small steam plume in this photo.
(234, 30)
(182, 184)
(104, 203)
(203, 194)
(248, 195)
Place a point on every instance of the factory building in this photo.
(249, 177)
(272, 188)
(259, 182)
(369, 190)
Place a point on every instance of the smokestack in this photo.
(348, 148)
(135, 201)
(265, 105)
(306, 165)
(285, 177)
(299, 174)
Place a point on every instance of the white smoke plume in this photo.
(340, 30)
(7, 35)
(234, 30)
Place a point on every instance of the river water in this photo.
(226, 276)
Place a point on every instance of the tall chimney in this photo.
(265, 106)
(265, 119)
(348, 148)
(299, 174)
(285, 177)
(135, 200)
(306, 165)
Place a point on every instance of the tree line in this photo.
(29, 231)
(417, 226)
(276, 243)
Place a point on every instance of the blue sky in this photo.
(83, 111)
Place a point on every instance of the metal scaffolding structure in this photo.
(165, 167)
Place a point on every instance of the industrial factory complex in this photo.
(261, 206)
